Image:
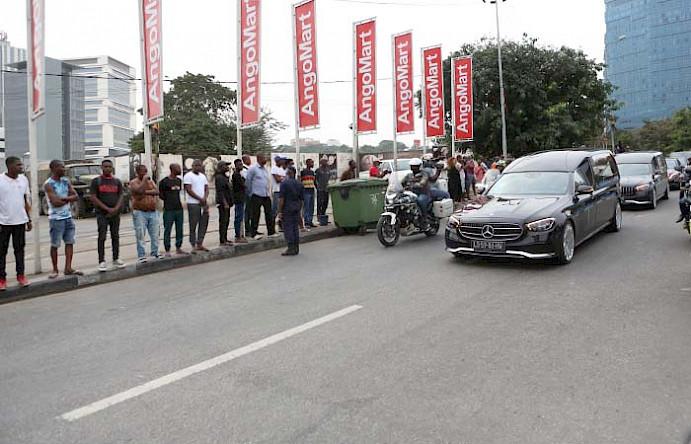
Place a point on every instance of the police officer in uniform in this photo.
(289, 211)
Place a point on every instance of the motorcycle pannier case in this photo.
(442, 208)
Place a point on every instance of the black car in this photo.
(674, 172)
(644, 178)
(541, 207)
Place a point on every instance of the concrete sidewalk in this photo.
(85, 249)
(41, 285)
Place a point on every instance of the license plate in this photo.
(489, 246)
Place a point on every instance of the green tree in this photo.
(555, 98)
(681, 130)
(666, 135)
(200, 118)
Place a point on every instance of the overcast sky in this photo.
(200, 37)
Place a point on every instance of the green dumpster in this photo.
(358, 203)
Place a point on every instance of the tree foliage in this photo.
(200, 118)
(667, 135)
(555, 98)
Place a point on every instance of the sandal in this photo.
(74, 273)
(53, 275)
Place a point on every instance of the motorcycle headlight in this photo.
(542, 224)
(454, 221)
(643, 187)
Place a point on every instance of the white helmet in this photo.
(415, 162)
(427, 156)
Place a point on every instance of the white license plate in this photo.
(489, 246)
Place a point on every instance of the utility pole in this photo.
(502, 100)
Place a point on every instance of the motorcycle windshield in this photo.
(395, 186)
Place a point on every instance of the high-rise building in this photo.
(8, 55)
(648, 57)
(109, 101)
(61, 129)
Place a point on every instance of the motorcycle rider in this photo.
(434, 170)
(684, 203)
(417, 181)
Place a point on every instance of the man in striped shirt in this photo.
(307, 178)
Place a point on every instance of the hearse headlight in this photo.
(454, 221)
(542, 224)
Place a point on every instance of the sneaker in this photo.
(102, 267)
(273, 236)
(142, 260)
(240, 240)
(257, 237)
(119, 263)
(168, 254)
(22, 280)
(680, 218)
(3, 284)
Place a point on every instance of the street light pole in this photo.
(502, 100)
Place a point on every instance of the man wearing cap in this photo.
(376, 171)
(291, 197)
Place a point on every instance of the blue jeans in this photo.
(239, 218)
(438, 194)
(146, 221)
(424, 201)
(309, 207)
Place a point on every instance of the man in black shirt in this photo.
(239, 196)
(290, 204)
(321, 183)
(224, 200)
(169, 191)
(107, 196)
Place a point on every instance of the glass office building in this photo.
(648, 57)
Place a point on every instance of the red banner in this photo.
(36, 15)
(433, 91)
(403, 82)
(250, 61)
(305, 40)
(365, 42)
(150, 19)
(462, 91)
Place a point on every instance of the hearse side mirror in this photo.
(584, 189)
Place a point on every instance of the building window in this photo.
(119, 90)
(119, 118)
(121, 137)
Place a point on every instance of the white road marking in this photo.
(202, 366)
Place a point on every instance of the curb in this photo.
(67, 283)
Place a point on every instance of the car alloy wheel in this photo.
(568, 242)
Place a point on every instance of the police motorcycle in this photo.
(402, 215)
(685, 199)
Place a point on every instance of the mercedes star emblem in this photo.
(488, 232)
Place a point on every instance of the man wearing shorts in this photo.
(60, 195)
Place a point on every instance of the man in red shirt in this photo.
(375, 171)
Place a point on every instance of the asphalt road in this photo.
(405, 345)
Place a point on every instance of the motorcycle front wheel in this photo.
(387, 232)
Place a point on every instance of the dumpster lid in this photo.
(358, 182)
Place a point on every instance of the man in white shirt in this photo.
(278, 175)
(14, 218)
(197, 191)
